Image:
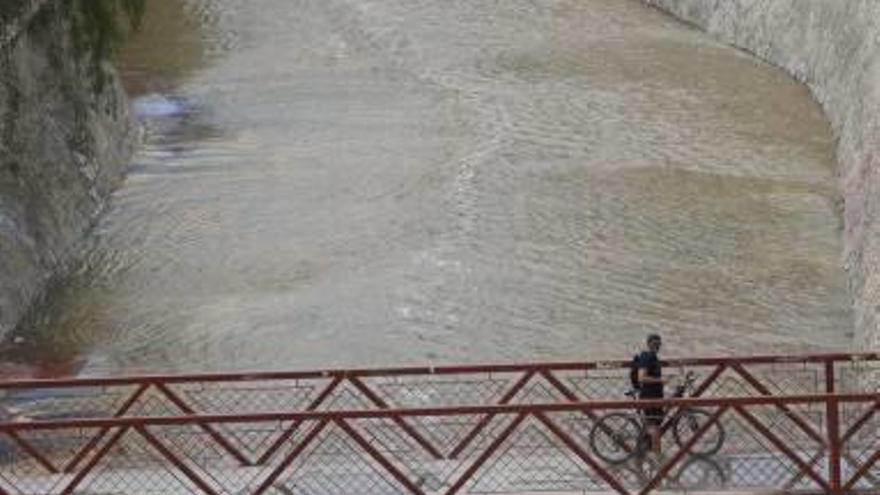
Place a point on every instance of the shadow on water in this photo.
(167, 48)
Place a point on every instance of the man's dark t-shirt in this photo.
(648, 361)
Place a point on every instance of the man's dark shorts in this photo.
(654, 416)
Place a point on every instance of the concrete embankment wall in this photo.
(832, 46)
(65, 134)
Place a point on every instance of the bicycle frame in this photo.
(642, 439)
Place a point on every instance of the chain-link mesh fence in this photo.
(758, 424)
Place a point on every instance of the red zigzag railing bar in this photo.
(779, 444)
(295, 425)
(341, 418)
(485, 420)
(832, 445)
(415, 435)
(288, 460)
(71, 466)
(763, 390)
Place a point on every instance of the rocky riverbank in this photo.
(833, 48)
(65, 134)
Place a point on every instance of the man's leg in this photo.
(654, 418)
(654, 432)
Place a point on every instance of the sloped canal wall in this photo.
(834, 48)
(65, 134)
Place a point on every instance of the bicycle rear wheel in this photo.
(689, 422)
(617, 437)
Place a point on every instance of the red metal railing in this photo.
(795, 424)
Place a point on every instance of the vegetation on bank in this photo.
(97, 28)
(11, 10)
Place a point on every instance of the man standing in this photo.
(651, 384)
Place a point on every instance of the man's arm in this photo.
(644, 378)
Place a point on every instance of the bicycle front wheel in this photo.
(616, 437)
(689, 422)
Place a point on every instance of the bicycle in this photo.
(620, 436)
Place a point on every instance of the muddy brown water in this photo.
(333, 183)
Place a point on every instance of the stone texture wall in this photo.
(65, 134)
(832, 46)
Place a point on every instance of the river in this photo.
(329, 183)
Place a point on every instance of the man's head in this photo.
(654, 342)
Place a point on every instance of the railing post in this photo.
(832, 418)
(829, 376)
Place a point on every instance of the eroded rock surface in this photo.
(65, 134)
(832, 47)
